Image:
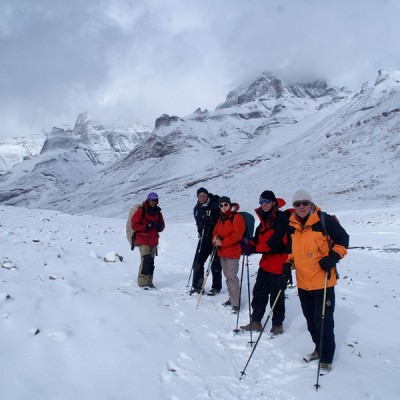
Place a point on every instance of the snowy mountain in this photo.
(14, 150)
(74, 323)
(267, 134)
(100, 143)
(68, 158)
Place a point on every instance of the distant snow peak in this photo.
(269, 87)
(166, 120)
(101, 144)
(81, 122)
(386, 75)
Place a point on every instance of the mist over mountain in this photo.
(268, 133)
(13, 150)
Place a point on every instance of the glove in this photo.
(159, 225)
(287, 271)
(327, 263)
(247, 247)
(149, 225)
(334, 255)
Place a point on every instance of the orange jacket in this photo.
(309, 245)
(230, 229)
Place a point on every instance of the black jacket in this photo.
(207, 215)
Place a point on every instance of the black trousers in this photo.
(311, 303)
(267, 288)
(198, 267)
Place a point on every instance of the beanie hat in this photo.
(268, 195)
(224, 199)
(152, 196)
(202, 190)
(301, 195)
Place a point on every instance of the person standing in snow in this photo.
(228, 233)
(314, 255)
(206, 213)
(147, 222)
(271, 240)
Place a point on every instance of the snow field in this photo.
(74, 325)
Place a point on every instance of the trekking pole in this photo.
(198, 249)
(248, 295)
(206, 277)
(262, 330)
(317, 385)
(237, 330)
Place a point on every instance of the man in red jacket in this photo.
(147, 222)
(271, 239)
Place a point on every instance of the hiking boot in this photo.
(213, 292)
(254, 326)
(276, 329)
(150, 282)
(235, 309)
(311, 357)
(192, 291)
(326, 367)
(227, 303)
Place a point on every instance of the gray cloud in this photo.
(128, 61)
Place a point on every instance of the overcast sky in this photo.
(128, 61)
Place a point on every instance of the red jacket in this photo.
(141, 218)
(271, 239)
(230, 229)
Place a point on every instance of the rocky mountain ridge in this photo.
(267, 134)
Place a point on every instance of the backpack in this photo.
(130, 233)
(249, 221)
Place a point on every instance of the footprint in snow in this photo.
(59, 335)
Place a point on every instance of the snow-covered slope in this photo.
(75, 325)
(267, 134)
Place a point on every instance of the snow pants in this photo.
(230, 267)
(198, 267)
(311, 303)
(267, 288)
(146, 268)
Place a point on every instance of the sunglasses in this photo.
(264, 201)
(222, 205)
(304, 203)
(155, 200)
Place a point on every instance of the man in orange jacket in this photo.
(314, 256)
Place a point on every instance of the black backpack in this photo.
(250, 222)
